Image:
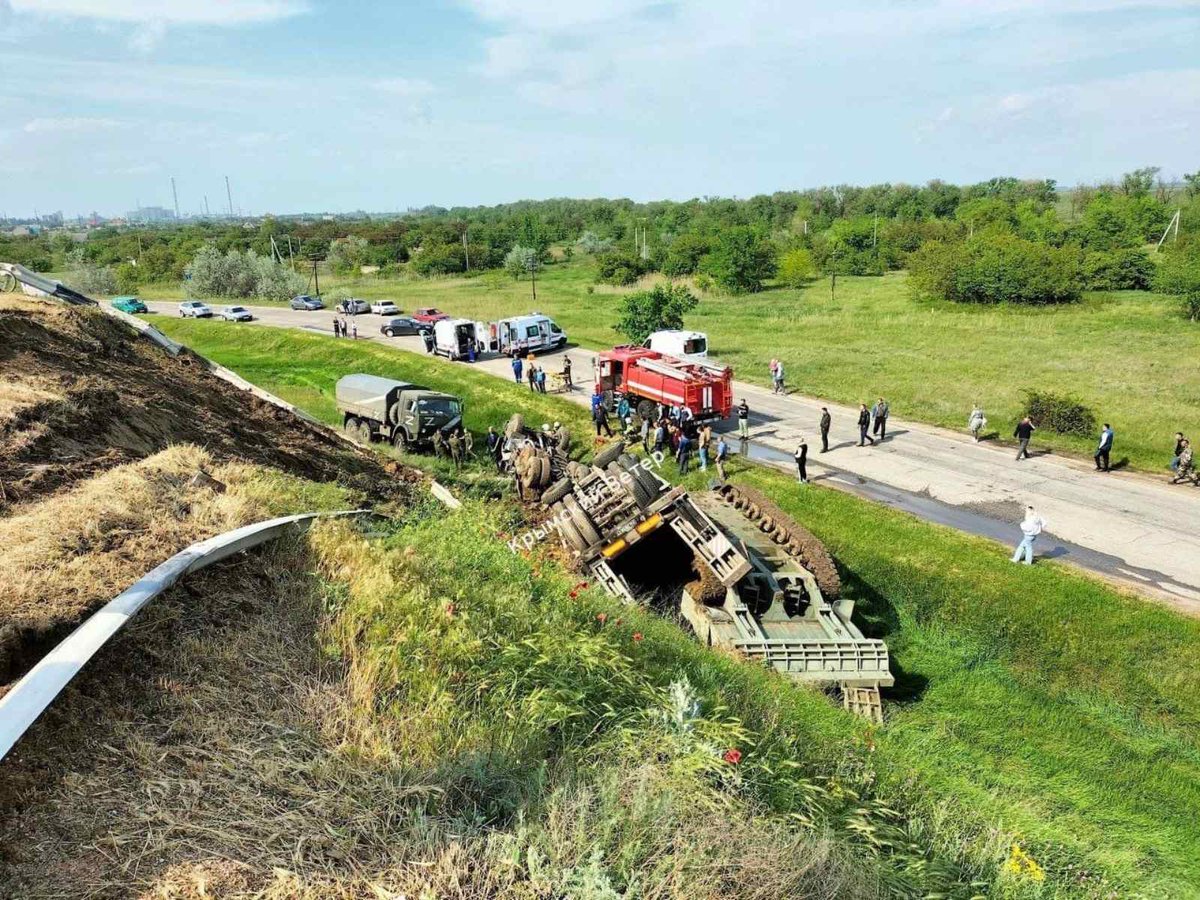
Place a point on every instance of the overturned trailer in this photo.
(736, 568)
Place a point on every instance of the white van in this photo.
(528, 334)
(680, 344)
(454, 338)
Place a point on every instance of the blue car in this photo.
(129, 305)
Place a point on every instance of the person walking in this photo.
(722, 455)
(801, 457)
(1180, 440)
(1023, 432)
(354, 330)
(771, 367)
(880, 414)
(1104, 448)
(976, 421)
(517, 365)
(566, 374)
(495, 446)
(684, 454)
(826, 421)
(1031, 526)
(864, 425)
(743, 414)
(702, 443)
(777, 378)
(600, 417)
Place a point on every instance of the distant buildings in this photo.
(151, 214)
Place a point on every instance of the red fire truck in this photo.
(647, 377)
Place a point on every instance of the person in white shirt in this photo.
(1031, 526)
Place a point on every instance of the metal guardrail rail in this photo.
(28, 699)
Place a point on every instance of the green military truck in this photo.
(403, 414)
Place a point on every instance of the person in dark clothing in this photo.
(532, 377)
(1023, 432)
(495, 444)
(566, 374)
(517, 366)
(801, 456)
(722, 456)
(880, 412)
(600, 417)
(864, 424)
(427, 339)
(743, 414)
(1103, 449)
(826, 421)
(337, 327)
(660, 435)
(541, 380)
(684, 454)
(1180, 443)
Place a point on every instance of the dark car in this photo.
(401, 325)
(353, 307)
(304, 301)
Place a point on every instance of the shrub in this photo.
(521, 261)
(242, 275)
(87, 277)
(684, 255)
(1061, 413)
(590, 242)
(647, 311)
(619, 268)
(438, 259)
(1117, 270)
(996, 268)
(796, 267)
(741, 260)
(1179, 276)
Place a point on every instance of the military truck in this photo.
(403, 414)
(730, 563)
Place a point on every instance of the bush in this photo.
(684, 255)
(1066, 415)
(648, 311)
(240, 275)
(590, 242)
(87, 277)
(521, 261)
(1179, 276)
(1117, 270)
(438, 259)
(996, 268)
(619, 267)
(796, 267)
(741, 260)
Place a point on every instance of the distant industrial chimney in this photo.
(175, 195)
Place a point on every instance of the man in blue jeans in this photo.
(517, 366)
(1031, 527)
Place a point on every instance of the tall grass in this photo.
(1030, 701)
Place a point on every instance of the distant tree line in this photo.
(1051, 245)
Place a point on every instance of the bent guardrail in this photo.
(30, 697)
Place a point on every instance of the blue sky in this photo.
(319, 105)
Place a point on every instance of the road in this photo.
(1127, 527)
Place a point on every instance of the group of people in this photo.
(536, 375)
(457, 444)
(343, 329)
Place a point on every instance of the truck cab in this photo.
(677, 343)
(405, 415)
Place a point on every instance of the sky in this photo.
(343, 105)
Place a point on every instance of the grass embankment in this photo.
(1128, 355)
(1033, 700)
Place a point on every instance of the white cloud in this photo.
(170, 12)
(404, 87)
(147, 37)
(69, 124)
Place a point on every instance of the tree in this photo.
(521, 261)
(1192, 183)
(1139, 182)
(1117, 270)
(438, 259)
(796, 267)
(663, 306)
(348, 254)
(996, 268)
(1179, 276)
(87, 277)
(684, 255)
(240, 275)
(619, 267)
(590, 242)
(741, 260)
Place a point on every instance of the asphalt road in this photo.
(1128, 527)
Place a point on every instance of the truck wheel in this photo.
(350, 426)
(400, 440)
(641, 476)
(364, 432)
(557, 491)
(515, 425)
(570, 533)
(645, 409)
(629, 481)
(608, 454)
(581, 520)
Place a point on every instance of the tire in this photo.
(581, 520)
(629, 481)
(350, 426)
(609, 454)
(364, 432)
(645, 409)
(642, 484)
(557, 491)
(568, 530)
(516, 424)
(400, 440)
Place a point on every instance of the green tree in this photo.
(348, 254)
(1179, 276)
(1139, 182)
(684, 255)
(741, 260)
(645, 312)
(438, 259)
(996, 268)
(796, 267)
(619, 267)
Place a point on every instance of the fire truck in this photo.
(647, 377)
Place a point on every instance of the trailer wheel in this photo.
(608, 454)
(566, 527)
(516, 424)
(581, 520)
(645, 487)
(557, 491)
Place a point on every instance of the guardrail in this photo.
(28, 699)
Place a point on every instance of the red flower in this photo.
(573, 594)
(450, 607)
(582, 586)
(637, 635)
(602, 618)
(733, 756)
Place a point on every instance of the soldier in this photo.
(439, 444)
(456, 448)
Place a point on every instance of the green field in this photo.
(1128, 355)
(1033, 706)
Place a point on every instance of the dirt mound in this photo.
(82, 393)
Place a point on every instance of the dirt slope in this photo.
(81, 393)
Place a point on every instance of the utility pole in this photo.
(175, 196)
(466, 252)
(206, 213)
(316, 280)
(229, 196)
(533, 264)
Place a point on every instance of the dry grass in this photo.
(16, 396)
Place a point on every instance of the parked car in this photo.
(385, 308)
(402, 325)
(352, 307)
(429, 314)
(235, 314)
(129, 305)
(194, 309)
(304, 301)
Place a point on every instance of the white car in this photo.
(194, 309)
(235, 314)
(385, 308)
